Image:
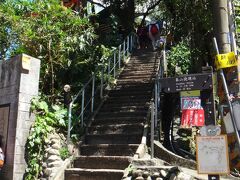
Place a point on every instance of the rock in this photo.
(55, 164)
(53, 152)
(127, 178)
(148, 178)
(56, 146)
(173, 176)
(55, 141)
(163, 173)
(156, 174)
(137, 173)
(53, 136)
(139, 178)
(48, 171)
(44, 165)
(183, 176)
(53, 158)
(145, 174)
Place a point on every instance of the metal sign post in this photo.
(228, 97)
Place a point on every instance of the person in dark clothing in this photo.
(142, 35)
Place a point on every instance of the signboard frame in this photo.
(199, 154)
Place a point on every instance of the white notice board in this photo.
(212, 155)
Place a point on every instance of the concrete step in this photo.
(116, 129)
(102, 162)
(93, 174)
(132, 138)
(136, 76)
(123, 104)
(128, 85)
(109, 149)
(132, 94)
(130, 81)
(118, 120)
(119, 108)
(124, 99)
(121, 114)
(145, 61)
(143, 69)
(129, 88)
(140, 66)
(130, 74)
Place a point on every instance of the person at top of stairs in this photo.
(154, 33)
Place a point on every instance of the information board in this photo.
(212, 155)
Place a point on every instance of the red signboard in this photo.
(192, 117)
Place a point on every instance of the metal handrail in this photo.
(155, 105)
(123, 51)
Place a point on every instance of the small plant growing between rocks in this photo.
(64, 153)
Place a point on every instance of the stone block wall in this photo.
(19, 80)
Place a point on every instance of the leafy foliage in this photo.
(47, 118)
(63, 41)
(192, 21)
(64, 153)
(179, 59)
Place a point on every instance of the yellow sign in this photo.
(226, 60)
(26, 62)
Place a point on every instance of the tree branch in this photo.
(99, 4)
(148, 11)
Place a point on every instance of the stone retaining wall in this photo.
(19, 79)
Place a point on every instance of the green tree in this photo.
(44, 29)
(192, 21)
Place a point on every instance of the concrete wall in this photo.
(19, 79)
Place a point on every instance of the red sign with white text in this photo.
(192, 117)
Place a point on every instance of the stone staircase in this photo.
(117, 129)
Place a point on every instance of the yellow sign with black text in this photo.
(226, 60)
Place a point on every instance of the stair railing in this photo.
(88, 102)
(155, 105)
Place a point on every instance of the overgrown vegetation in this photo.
(191, 23)
(65, 43)
(47, 119)
(179, 59)
(64, 153)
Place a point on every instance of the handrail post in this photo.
(69, 122)
(131, 47)
(164, 62)
(109, 66)
(82, 108)
(130, 43)
(152, 129)
(114, 64)
(102, 79)
(156, 103)
(124, 47)
(93, 92)
(128, 46)
(158, 106)
(119, 56)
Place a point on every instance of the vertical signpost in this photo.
(227, 61)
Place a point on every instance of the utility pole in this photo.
(221, 25)
(222, 34)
